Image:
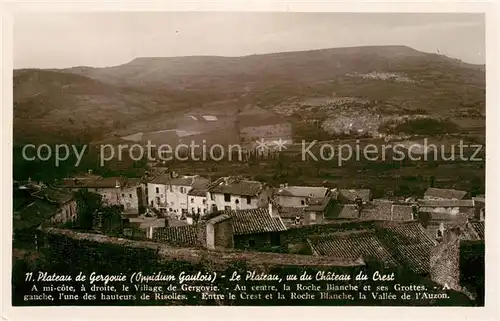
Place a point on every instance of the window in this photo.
(302, 202)
(204, 201)
(227, 198)
(212, 197)
(313, 217)
(157, 190)
(123, 195)
(192, 200)
(237, 201)
(249, 200)
(181, 189)
(130, 195)
(439, 233)
(251, 243)
(171, 190)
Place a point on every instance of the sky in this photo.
(61, 40)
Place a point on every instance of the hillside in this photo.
(148, 92)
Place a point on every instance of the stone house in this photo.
(235, 193)
(129, 193)
(298, 196)
(197, 199)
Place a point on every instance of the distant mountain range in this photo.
(86, 103)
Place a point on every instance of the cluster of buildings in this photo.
(234, 213)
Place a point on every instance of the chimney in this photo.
(150, 232)
(90, 171)
(270, 207)
(117, 183)
(286, 185)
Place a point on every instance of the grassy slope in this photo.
(85, 103)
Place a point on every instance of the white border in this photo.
(490, 312)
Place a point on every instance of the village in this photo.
(233, 213)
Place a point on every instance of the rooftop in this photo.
(235, 186)
(34, 214)
(220, 259)
(446, 203)
(473, 231)
(103, 182)
(351, 194)
(254, 221)
(353, 244)
(177, 235)
(185, 180)
(55, 195)
(302, 191)
(445, 193)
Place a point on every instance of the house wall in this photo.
(109, 195)
(157, 196)
(129, 198)
(237, 202)
(253, 133)
(224, 234)
(313, 217)
(291, 201)
(177, 198)
(257, 242)
(197, 202)
(67, 212)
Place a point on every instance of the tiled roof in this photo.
(197, 192)
(345, 211)
(377, 210)
(320, 204)
(302, 191)
(255, 221)
(59, 196)
(235, 186)
(452, 218)
(200, 187)
(352, 194)
(416, 257)
(178, 235)
(180, 181)
(401, 212)
(105, 182)
(446, 203)
(445, 193)
(408, 242)
(405, 233)
(473, 231)
(34, 214)
(290, 212)
(218, 219)
(353, 245)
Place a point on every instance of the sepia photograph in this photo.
(231, 158)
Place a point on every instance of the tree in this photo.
(88, 203)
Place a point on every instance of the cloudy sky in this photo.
(61, 40)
